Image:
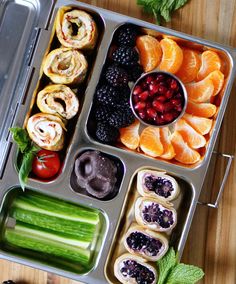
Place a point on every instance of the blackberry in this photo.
(116, 76)
(135, 72)
(107, 95)
(102, 113)
(8, 282)
(165, 219)
(151, 213)
(160, 186)
(127, 35)
(126, 56)
(106, 133)
(121, 118)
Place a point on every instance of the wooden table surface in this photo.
(212, 239)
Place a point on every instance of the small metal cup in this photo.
(183, 91)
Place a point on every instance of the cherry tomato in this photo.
(46, 164)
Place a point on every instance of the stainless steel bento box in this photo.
(24, 38)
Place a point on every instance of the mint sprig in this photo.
(173, 272)
(161, 9)
(28, 150)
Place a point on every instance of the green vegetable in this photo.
(78, 229)
(28, 149)
(173, 272)
(161, 8)
(57, 208)
(24, 237)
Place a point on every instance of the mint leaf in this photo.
(21, 137)
(26, 167)
(165, 264)
(184, 274)
(166, 9)
(179, 4)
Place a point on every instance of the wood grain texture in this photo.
(212, 239)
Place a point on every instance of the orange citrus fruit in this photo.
(201, 124)
(184, 153)
(172, 56)
(190, 66)
(191, 136)
(200, 92)
(210, 61)
(150, 142)
(165, 137)
(217, 78)
(202, 109)
(150, 52)
(129, 136)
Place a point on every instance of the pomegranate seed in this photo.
(160, 78)
(140, 106)
(162, 90)
(149, 79)
(176, 102)
(137, 90)
(174, 85)
(135, 99)
(161, 99)
(142, 114)
(144, 85)
(153, 88)
(143, 96)
(168, 117)
(179, 96)
(158, 106)
(148, 105)
(169, 94)
(178, 108)
(168, 106)
(159, 120)
(151, 113)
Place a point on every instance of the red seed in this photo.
(143, 96)
(160, 78)
(174, 85)
(140, 106)
(142, 114)
(153, 88)
(151, 112)
(162, 90)
(168, 117)
(179, 96)
(161, 98)
(159, 120)
(137, 90)
(178, 108)
(168, 107)
(144, 85)
(135, 99)
(176, 102)
(149, 79)
(169, 94)
(158, 106)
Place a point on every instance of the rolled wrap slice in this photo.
(58, 99)
(145, 243)
(65, 66)
(158, 185)
(131, 269)
(76, 29)
(47, 131)
(149, 212)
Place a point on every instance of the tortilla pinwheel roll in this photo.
(133, 269)
(76, 29)
(146, 243)
(149, 212)
(47, 131)
(58, 99)
(65, 66)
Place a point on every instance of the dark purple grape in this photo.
(165, 219)
(159, 185)
(138, 241)
(135, 270)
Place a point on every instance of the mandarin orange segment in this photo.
(190, 66)
(172, 56)
(150, 52)
(191, 136)
(150, 142)
(200, 92)
(165, 137)
(202, 109)
(129, 136)
(184, 153)
(210, 61)
(217, 78)
(201, 124)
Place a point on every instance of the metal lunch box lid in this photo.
(20, 22)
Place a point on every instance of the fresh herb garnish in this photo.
(28, 150)
(161, 9)
(173, 272)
